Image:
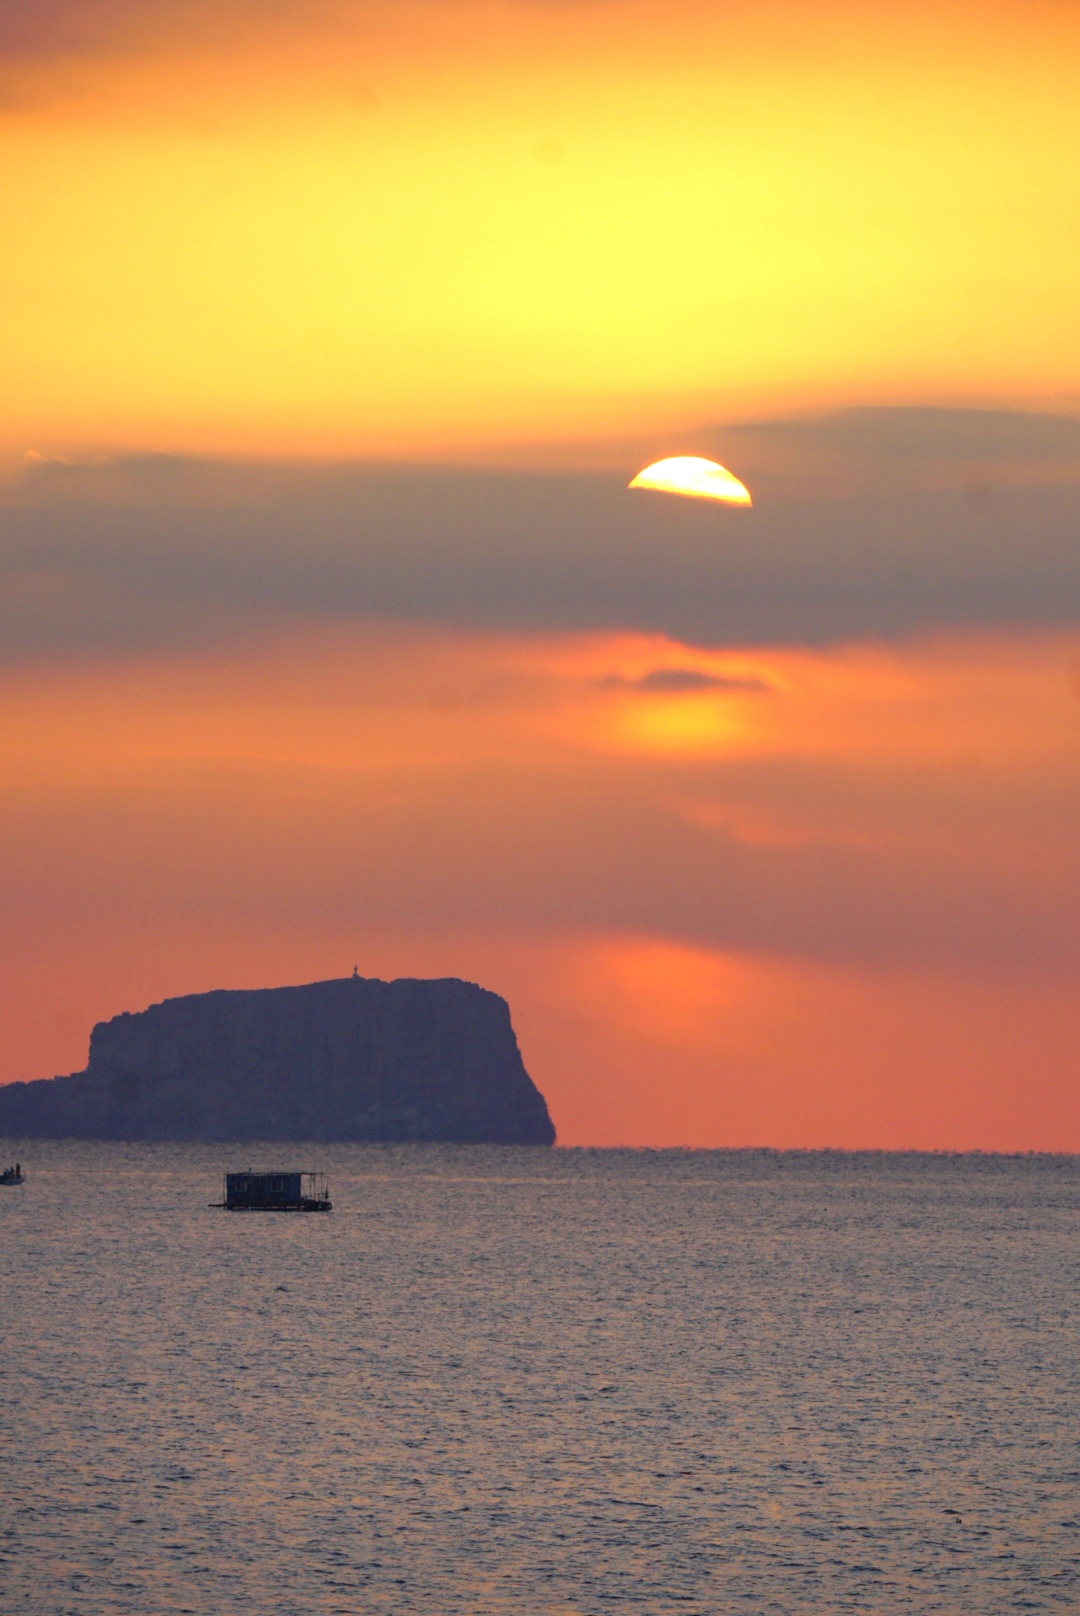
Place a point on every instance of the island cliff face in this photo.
(349, 1059)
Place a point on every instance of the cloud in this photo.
(680, 681)
(159, 552)
(79, 50)
(52, 28)
(935, 434)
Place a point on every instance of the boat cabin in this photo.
(276, 1192)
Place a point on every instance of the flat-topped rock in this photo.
(349, 1059)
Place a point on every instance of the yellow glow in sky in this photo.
(474, 223)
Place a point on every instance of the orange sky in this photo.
(764, 821)
(815, 902)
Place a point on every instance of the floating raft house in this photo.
(276, 1192)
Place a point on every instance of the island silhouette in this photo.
(353, 1058)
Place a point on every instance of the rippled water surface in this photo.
(500, 1380)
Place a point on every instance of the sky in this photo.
(331, 635)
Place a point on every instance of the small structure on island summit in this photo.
(276, 1192)
(350, 1059)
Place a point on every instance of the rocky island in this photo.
(348, 1059)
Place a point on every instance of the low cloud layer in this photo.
(166, 553)
(973, 437)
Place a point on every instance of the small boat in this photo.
(12, 1175)
(275, 1192)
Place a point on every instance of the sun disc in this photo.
(694, 478)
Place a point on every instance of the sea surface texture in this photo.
(530, 1381)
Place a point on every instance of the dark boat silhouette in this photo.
(13, 1175)
(275, 1192)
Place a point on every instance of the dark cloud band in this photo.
(168, 552)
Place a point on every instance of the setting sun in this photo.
(694, 478)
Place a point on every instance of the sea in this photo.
(499, 1380)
